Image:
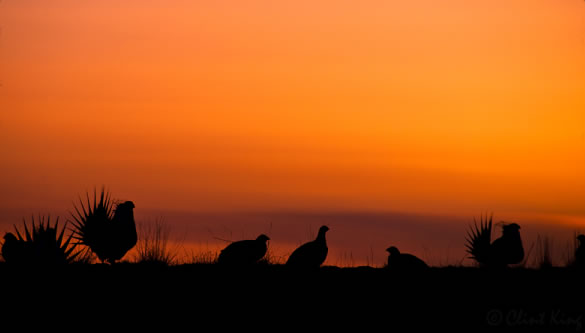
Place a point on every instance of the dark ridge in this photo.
(450, 297)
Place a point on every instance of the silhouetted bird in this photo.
(404, 261)
(109, 235)
(13, 249)
(245, 252)
(580, 252)
(504, 251)
(42, 244)
(124, 235)
(311, 254)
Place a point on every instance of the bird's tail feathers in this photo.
(478, 239)
(88, 217)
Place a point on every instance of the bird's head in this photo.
(263, 238)
(9, 237)
(125, 207)
(129, 204)
(125, 211)
(508, 228)
(393, 250)
(581, 239)
(323, 229)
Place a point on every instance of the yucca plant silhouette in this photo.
(42, 245)
(109, 233)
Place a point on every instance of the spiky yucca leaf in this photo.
(43, 244)
(479, 239)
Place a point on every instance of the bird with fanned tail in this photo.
(506, 250)
(109, 233)
(311, 254)
(41, 244)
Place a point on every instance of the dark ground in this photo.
(365, 298)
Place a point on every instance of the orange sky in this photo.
(436, 107)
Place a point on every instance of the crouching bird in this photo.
(244, 252)
(13, 249)
(404, 261)
(109, 233)
(311, 254)
(506, 250)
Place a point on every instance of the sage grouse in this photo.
(244, 252)
(506, 250)
(311, 254)
(404, 261)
